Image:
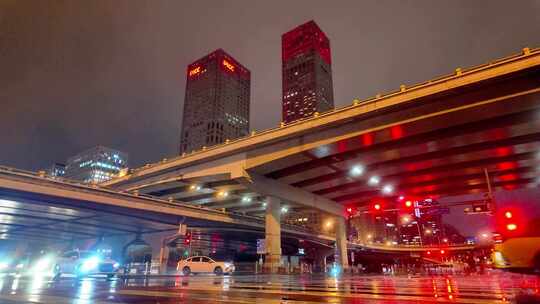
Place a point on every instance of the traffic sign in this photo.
(261, 246)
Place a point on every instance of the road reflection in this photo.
(271, 288)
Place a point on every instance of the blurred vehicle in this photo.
(84, 263)
(517, 245)
(201, 264)
(13, 266)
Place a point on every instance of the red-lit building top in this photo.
(306, 72)
(305, 38)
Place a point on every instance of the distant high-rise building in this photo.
(306, 72)
(56, 170)
(216, 104)
(96, 165)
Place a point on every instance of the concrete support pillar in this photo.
(273, 235)
(163, 256)
(341, 243)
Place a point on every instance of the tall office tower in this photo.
(306, 72)
(96, 165)
(216, 105)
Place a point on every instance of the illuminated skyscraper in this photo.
(96, 165)
(216, 104)
(307, 72)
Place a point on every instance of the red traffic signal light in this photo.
(187, 239)
(377, 207)
(511, 227)
(510, 221)
(408, 204)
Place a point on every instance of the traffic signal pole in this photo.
(490, 193)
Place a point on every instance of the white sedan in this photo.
(200, 264)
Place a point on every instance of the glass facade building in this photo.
(216, 104)
(56, 170)
(96, 165)
(306, 72)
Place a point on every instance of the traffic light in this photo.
(376, 207)
(408, 204)
(508, 221)
(187, 239)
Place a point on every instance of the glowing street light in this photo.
(374, 180)
(284, 209)
(387, 189)
(223, 194)
(357, 170)
(406, 219)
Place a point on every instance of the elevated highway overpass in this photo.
(39, 208)
(430, 139)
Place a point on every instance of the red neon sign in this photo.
(228, 65)
(194, 71)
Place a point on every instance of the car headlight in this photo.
(90, 264)
(43, 264)
(116, 265)
(227, 265)
(499, 259)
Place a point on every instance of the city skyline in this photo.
(144, 89)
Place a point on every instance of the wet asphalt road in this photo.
(493, 288)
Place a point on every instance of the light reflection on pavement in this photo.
(493, 288)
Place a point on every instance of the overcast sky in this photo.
(75, 74)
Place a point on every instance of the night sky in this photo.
(75, 74)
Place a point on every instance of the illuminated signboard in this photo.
(195, 71)
(228, 65)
